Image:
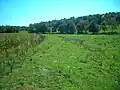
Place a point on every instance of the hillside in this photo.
(96, 23)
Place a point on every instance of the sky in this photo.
(24, 12)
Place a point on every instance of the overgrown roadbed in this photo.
(89, 62)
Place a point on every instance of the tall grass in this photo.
(14, 49)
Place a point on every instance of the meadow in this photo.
(59, 62)
(14, 48)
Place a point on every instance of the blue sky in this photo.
(24, 12)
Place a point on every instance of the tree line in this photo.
(12, 29)
(96, 23)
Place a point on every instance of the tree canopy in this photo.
(84, 24)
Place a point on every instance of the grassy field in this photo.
(14, 48)
(68, 62)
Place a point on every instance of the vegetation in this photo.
(13, 50)
(97, 23)
(70, 62)
(30, 59)
(12, 29)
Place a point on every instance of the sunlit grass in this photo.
(70, 62)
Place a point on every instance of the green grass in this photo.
(69, 62)
(14, 48)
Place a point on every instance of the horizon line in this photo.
(60, 19)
